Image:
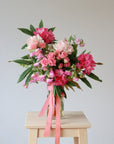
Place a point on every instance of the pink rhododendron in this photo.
(46, 35)
(64, 46)
(86, 63)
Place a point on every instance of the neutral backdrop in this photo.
(92, 20)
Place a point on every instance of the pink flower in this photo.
(51, 55)
(40, 56)
(86, 63)
(64, 46)
(60, 77)
(26, 86)
(77, 41)
(41, 77)
(46, 35)
(49, 80)
(66, 60)
(36, 64)
(60, 65)
(42, 45)
(52, 62)
(67, 64)
(75, 78)
(44, 62)
(64, 55)
(82, 45)
(51, 73)
(68, 73)
(32, 42)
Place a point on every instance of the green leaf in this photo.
(32, 28)
(93, 76)
(41, 24)
(26, 57)
(24, 74)
(52, 29)
(23, 47)
(26, 31)
(28, 78)
(58, 91)
(86, 82)
(70, 38)
(54, 90)
(22, 61)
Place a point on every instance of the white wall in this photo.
(92, 20)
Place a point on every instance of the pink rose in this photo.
(44, 62)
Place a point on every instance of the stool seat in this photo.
(73, 124)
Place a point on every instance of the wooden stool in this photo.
(74, 124)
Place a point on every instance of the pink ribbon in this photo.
(51, 103)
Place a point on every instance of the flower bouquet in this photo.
(58, 64)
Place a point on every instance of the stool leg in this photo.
(83, 136)
(33, 136)
(76, 140)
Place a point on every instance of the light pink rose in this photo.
(66, 60)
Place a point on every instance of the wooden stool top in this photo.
(71, 119)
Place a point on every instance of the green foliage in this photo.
(26, 31)
(28, 78)
(26, 57)
(32, 28)
(95, 77)
(86, 82)
(23, 47)
(22, 61)
(24, 74)
(52, 29)
(41, 24)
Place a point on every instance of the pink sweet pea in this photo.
(77, 41)
(51, 73)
